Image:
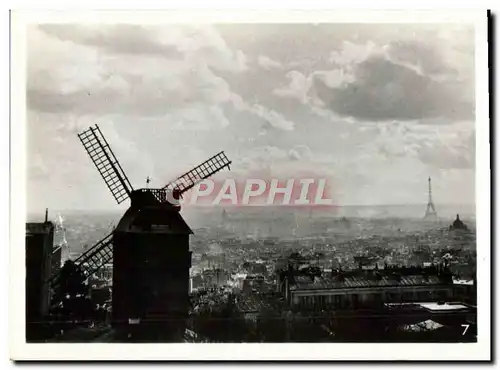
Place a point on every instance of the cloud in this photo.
(269, 153)
(76, 78)
(120, 39)
(350, 54)
(300, 152)
(37, 169)
(336, 78)
(455, 152)
(422, 57)
(383, 90)
(439, 147)
(259, 158)
(298, 87)
(268, 63)
(403, 79)
(187, 93)
(272, 157)
(272, 117)
(144, 97)
(171, 42)
(197, 117)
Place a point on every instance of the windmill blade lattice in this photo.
(92, 259)
(201, 172)
(106, 163)
(97, 256)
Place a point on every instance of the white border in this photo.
(317, 351)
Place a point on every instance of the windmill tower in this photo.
(430, 212)
(149, 247)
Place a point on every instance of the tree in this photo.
(296, 259)
(69, 302)
(70, 282)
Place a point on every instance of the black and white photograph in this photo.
(207, 181)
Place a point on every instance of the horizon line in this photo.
(310, 206)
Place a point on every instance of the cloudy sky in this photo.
(376, 109)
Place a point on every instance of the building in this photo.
(465, 291)
(449, 318)
(458, 224)
(39, 246)
(368, 288)
(253, 284)
(382, 305)
(251, 305)
(196, 282)
(215, 277)
(55, 261)
(236, 282)
(151, 263)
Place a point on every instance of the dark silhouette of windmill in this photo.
(149, 247)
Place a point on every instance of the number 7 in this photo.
(466, 326)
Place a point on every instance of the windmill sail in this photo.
(97, 256)
(106, 163)
(199, 173)
(92, 259)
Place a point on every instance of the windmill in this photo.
(150, 243)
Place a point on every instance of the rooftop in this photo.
(443, 307)
(427, 325)
(251, 304)
(463, 282)
(326, 282)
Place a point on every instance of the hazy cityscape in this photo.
(237, 253)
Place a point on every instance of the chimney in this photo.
(46, 214)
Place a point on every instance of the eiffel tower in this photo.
(430, 212)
